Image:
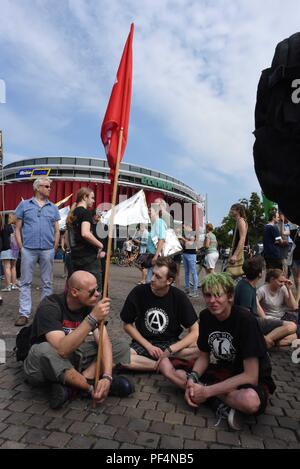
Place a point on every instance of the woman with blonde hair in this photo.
(9, 254)
(211, 246)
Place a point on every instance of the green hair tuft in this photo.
(213, 283)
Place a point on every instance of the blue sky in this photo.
(195, 73)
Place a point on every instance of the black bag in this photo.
(23, 343)
(277, 128)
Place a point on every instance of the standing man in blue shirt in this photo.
(37, 234)
(273, 242)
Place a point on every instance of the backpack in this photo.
(23, 343)
(277, 128)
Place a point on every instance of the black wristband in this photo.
(106, 376)
(194, 376)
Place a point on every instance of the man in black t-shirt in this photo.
(59, 355)
(240, 379)
(154, 316)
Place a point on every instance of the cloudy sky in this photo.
(196, 68)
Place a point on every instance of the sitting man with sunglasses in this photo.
(62, 358)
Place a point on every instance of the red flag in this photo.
(118, 109)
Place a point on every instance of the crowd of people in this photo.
(219, 359)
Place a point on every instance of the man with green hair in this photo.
(239, 380)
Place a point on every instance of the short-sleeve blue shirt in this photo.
(38, 223)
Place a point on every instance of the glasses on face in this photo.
(44, 185)
(90, 292)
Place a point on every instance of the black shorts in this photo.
(142, 351)
(217, 374)
(268, 324)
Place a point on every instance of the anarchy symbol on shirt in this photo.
(156, 320)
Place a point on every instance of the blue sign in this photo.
(33, 172)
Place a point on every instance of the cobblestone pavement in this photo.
(155, 416)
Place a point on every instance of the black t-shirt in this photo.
(158, 318)
(234, 340)
(81, 248)
(53, 314)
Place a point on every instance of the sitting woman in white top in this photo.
(211, 245)
(276, 298)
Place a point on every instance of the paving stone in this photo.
(4, 414)
(184, 431)
(161, 428)
(35, 436)
(148, 405)
(192, 444)
(142, 396)
(282, 434)
(4, 403)
(251, 442)
(18, 418)
(159, 397)
(118, 410)
(271, 443)
(3, 427)
(293, 413)
(38, 408)
(166, 407)
(7, 394)
(13, 445)
(148, 440)
(215, 446)
(38, 421)
(276, 411)
(59, 425)
(80, 428)
(106, 444)
(104, 431)
(97, 418)
(57, 440)
(195, 420)
(125, 436)
(171, 442)
(14, 432)
(174, 418)
(19, 406)
(206, 434)
(263, 431)
(135, 413)
(75, 415)
(139, 425)
(132, 403)
(81, 442)
(288, 422)
(118, 421)
(269, 420)
(228, 438)
(129, 446)
(154, 415)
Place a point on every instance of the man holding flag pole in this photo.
(114, 133)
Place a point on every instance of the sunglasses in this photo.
(90, 292)
(47, 186)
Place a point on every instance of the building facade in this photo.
(71, 173)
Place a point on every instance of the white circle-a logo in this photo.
(156, 320)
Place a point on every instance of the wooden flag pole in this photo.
(108, 256)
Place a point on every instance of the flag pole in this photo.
(108, 256)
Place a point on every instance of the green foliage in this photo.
(255, 218)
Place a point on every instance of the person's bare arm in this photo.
(242, 227)
(260, 310)
(18, 233)
(88, 235)
(56, 235)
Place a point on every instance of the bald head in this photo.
(80, 279)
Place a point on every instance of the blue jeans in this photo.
(28, 262)
(189, 263)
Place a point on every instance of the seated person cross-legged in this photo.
(233, 372)
(275, 330)
(154, 316)
(61, 358)
(275, 300)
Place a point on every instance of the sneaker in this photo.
(187, 290)
(233, 416)
(21, 321)
(193, 295)
(121, 386)
(58, 395)
(6, 288)
(14, 287)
